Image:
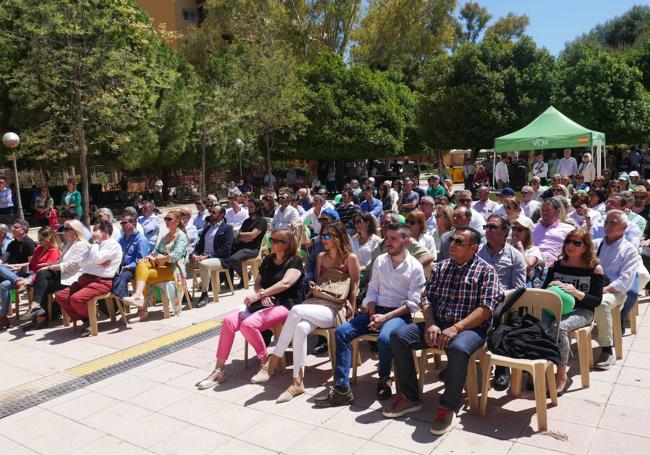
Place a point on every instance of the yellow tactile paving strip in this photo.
(40, 390)
(143, 348)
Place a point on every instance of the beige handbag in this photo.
(333, 286)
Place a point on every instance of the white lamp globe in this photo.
(10, 140)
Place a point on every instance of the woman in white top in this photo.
(522, 230)
(55, 277)
(582, 212)
(417, 224)
(444, 217)
(366, 238)
(586, 168)
(597, 198)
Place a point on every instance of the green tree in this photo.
(482, 91)
(508, 28)
(354, 112)
(88, 81)
(627, 31)
(473, 20)
(403, 35)
(601, 91)
(267, 83)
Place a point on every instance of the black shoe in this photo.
(203, 301)
(384, 389)
(32, 313)
(320, 349)
(373, 346)
(335, 398)
(85, 330)
(501, 379)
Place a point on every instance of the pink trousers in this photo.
(251, 328)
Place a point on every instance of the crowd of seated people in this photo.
(400, 251)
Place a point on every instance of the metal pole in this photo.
(19, 201)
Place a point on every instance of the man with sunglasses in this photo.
(511, 268)
(213, 249)
(457, 305)
(134, 247)
(464, 199)
(529, 206)
(150, 224)
(285, 214)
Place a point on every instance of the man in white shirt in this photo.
(393, 294)
(427, 206)
(538, 189)
(539, 169)
(501, 173)
(528, 205)
(150, 224)
(236, 214)
(464, 199)
(619, 259)
(285, 214)
(485, 206)
(311, 217)
(202, 213)
(97, 271)
(568, 166)
(620, 201)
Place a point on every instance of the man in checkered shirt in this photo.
(457, 305)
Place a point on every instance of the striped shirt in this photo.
(455, 291)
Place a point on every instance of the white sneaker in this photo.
(135, 300)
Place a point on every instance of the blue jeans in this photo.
(8, 278)
(458, 351)
(121, 282)
(359, 326)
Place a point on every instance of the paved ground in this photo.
(154, 408)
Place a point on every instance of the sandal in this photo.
(290, 394)
(216, 377)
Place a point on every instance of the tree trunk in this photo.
(269, 169)
(202, 188)
(83, 152)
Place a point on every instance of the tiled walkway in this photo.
(154, 408)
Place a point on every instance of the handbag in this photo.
(333, 286)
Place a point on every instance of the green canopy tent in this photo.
(553, 130)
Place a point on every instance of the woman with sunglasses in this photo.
(56, 276)
(444, 223)
(577, 272)
(304, 318)
(277, 290)
(366, 238)
(522, 230)
(416, 223)
(165, 263)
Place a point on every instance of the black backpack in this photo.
(521, 336)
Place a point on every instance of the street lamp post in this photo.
(11, 141)
(240, 144)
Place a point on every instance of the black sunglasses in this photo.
(576, 243)
(275, 241)
(457, 240)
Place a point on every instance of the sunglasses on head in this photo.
(577, 243)
(326, 236)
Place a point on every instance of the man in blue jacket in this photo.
(213, 249)
(135, 246)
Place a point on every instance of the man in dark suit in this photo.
(212, 249)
